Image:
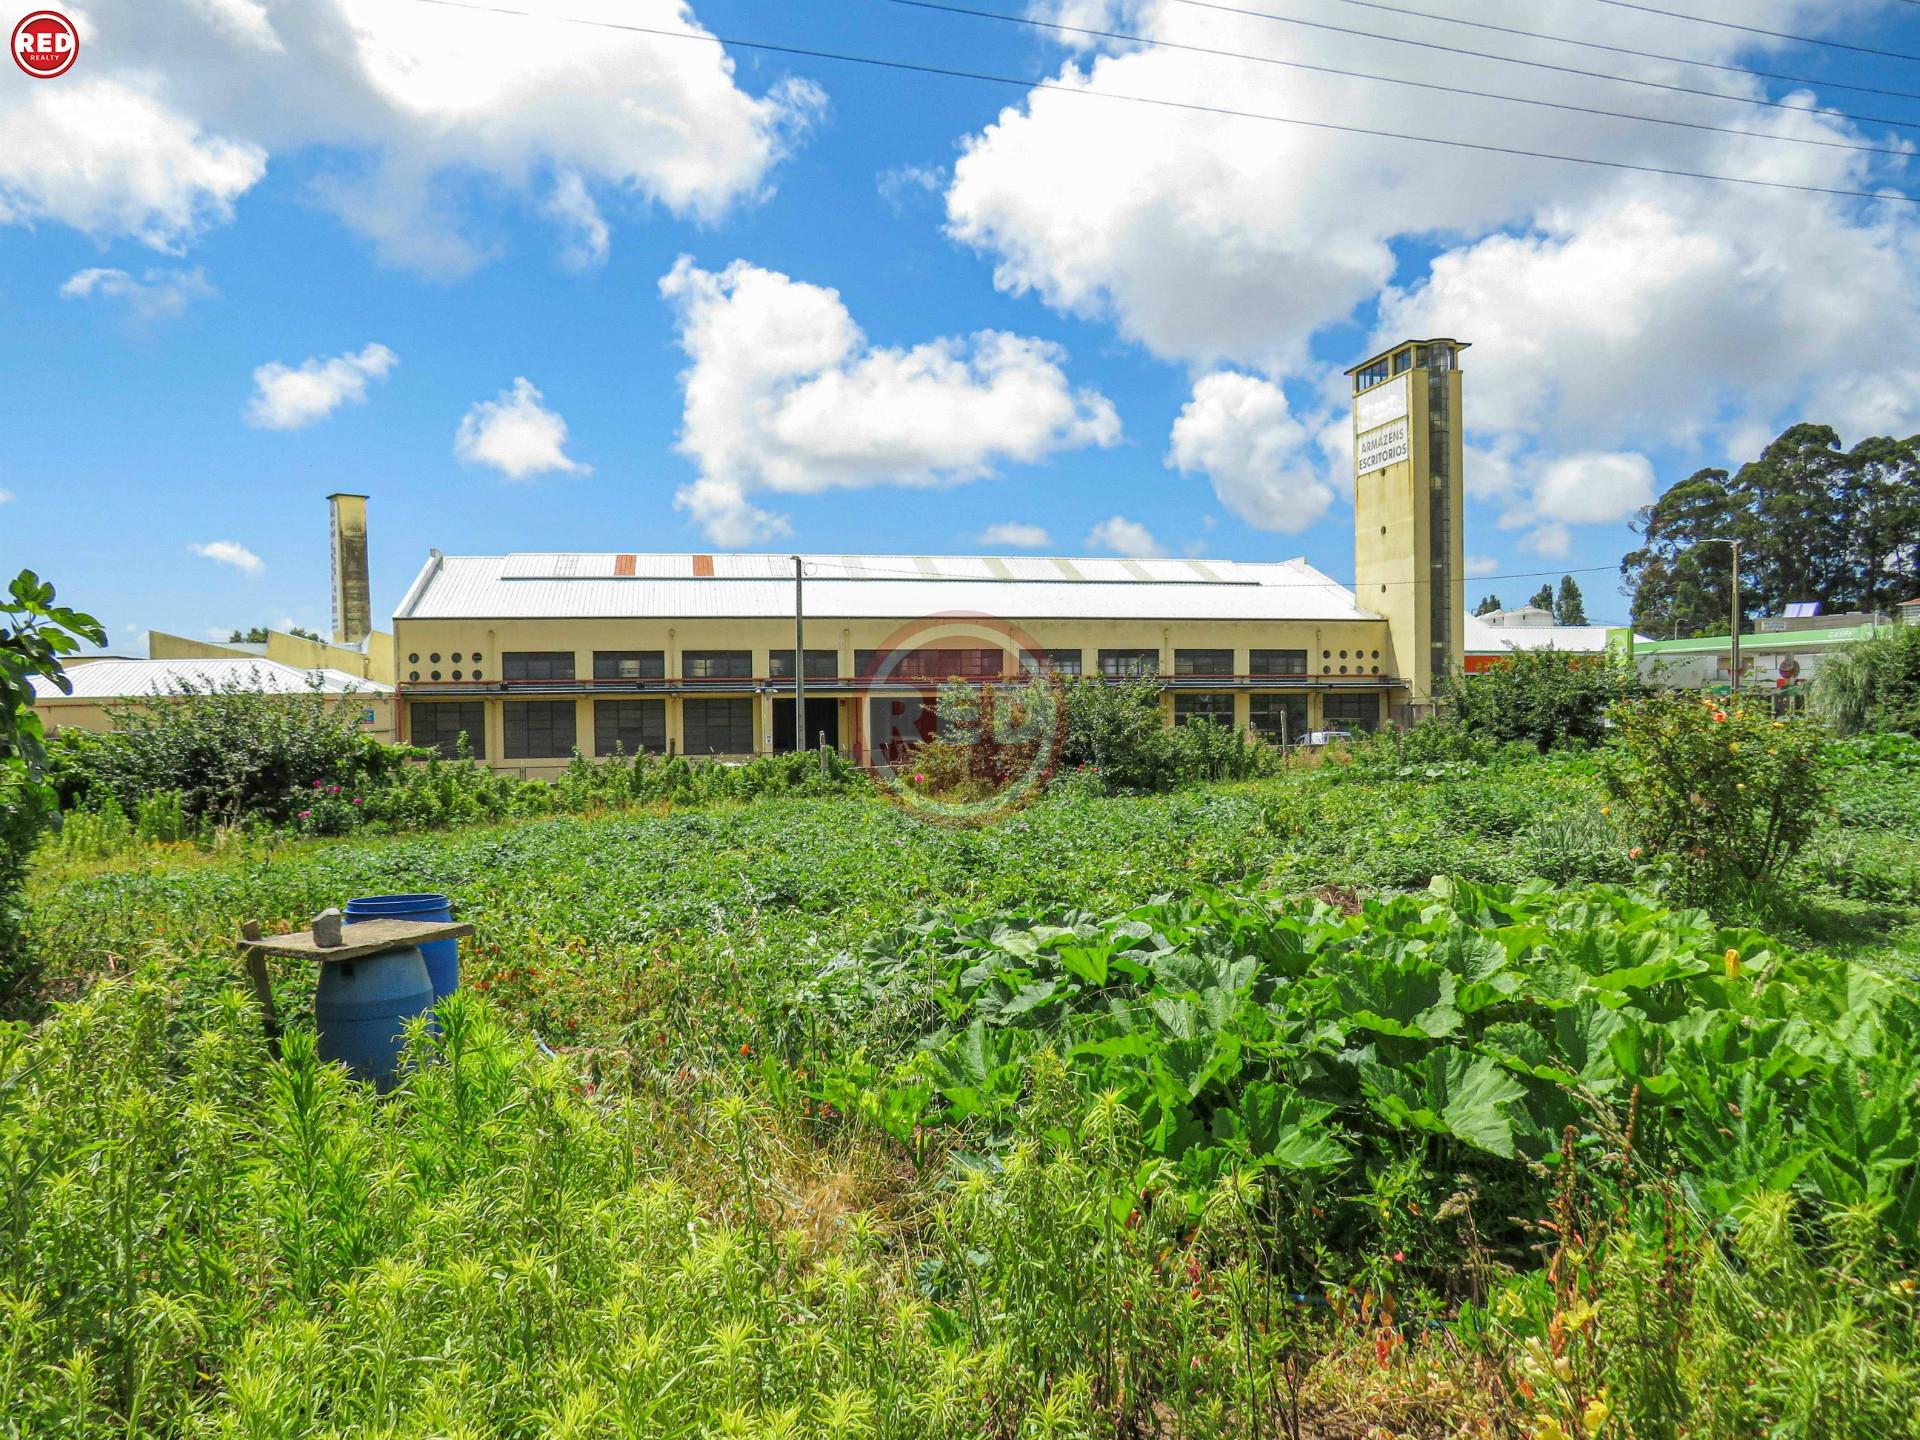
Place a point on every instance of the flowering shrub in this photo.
(1720, 790)
(327, 809)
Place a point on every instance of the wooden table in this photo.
(359, 940)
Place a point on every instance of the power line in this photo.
(939, 5)
(1435, 45)
(1825, 84)
(1189, 106)
(1757, 30)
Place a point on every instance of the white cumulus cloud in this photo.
(1481, 566)
(785, 394)
(1609, 310)
(1016, 535)
(426, 113)
(230, 552)
(1595, 488)
(116, 163)
(1238, 432)
(1124, 537)
(517, 435)
(156, 294)
(287, 397)
(589, 238)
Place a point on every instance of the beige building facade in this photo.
(524, 657)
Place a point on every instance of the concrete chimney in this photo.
(352, 594)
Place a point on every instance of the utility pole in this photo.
(799, 656)
(1734, 687)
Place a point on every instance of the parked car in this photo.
(1326, 737)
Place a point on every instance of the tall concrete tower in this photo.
(1409, 516)
(352, 593)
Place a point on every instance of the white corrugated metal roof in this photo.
(117, 679)
(1014, 587)
(1485, 639)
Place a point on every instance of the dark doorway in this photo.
(900, 722)
(822, 715)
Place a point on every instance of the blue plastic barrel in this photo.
(443, 956)
(361, 1008)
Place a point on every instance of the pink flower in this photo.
(306, 814)
(316, 784)
(356, 799)
(919, 779)
(1400, 1257)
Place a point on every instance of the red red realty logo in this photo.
(45, 44)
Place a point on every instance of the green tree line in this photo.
(1815, 522)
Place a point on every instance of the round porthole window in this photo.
(1376, 669)
(1376, 654)
(476, 674)
(413, 675)
(456, 657)
(413, 660)
(1343, 669)
(1326, 654)
(436, 674)
(1343, 654)
(436, 660)
(456, 674)
(477, 657)
(1326, 669)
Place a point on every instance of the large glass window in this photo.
(717, 664)
(1375, 373)
(1279, 718)
(1203, 662)
(1053, 662)
(821, 664)
(976, 664)
(537, 665)
(438, 725)
(539, 729)
(1117, 663)
(1352, 712)
(1277, 662)
(718, 727)
(629, 727)
(1217, 708)
(629, 665)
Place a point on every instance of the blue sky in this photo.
(1163, 285)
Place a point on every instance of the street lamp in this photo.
(1729, 540)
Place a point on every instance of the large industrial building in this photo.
(532, 655)
(526, 658)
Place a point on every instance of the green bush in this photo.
(1435, 748)
(35, 637)
(1118, 728)
(25, 810)
(98, 833)
(1542, 697)
(1721, 791)
(230, 754)
(1873, 686)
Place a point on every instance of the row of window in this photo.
(930, 664)
(547, 729)
(1281, 717)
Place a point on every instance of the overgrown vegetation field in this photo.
(1393, 1097)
